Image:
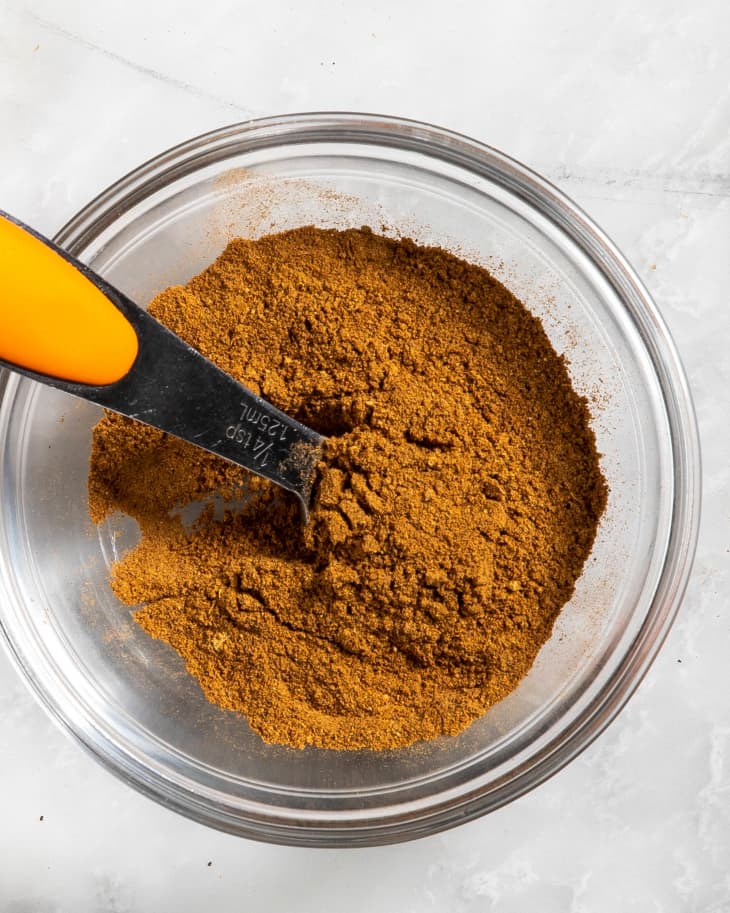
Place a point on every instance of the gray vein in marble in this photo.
(79, 40)
(676, 181)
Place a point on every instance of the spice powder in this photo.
(456, 504)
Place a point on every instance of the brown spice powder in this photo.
(457, 503)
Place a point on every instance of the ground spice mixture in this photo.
(456, 505)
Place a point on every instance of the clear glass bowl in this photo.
(128, 699)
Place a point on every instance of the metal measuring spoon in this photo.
(66, 327)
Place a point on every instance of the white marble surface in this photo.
(626, 106)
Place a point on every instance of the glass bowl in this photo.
(128, 698)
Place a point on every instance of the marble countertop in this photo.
(626, 107)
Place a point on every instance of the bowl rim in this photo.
(399, 822)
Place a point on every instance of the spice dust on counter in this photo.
(456, 504)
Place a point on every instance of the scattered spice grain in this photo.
(456, 505)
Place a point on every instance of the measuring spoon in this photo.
(65, 326)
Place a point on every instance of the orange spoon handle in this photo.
(53, 319)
